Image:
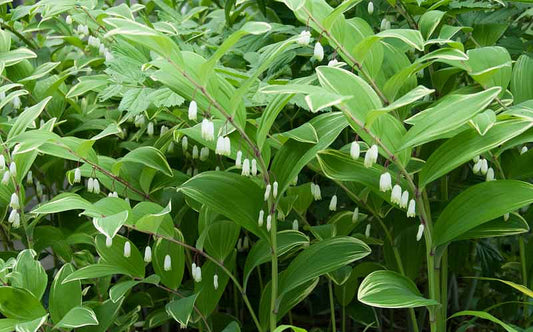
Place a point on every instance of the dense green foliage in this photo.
(266, 165)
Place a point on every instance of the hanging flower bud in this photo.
(269, 223)
(355, 150)
(184, 143)
(484, 166)
(16, 102)
(170, 148)
(384, 24)
(396, 194)
(5, 177)
(371, 156)
(506, 217)
(370, 8)
(220, 145)
(77, 175)
(254, 167)
(239, 245)
(260, 219)
(411, 210)
(355, 215)
(475, 159)
(275, 189)
(267, 191)
(238, 159)
(204, 153)
(198, 274)
(315, 190)
(108, 241)
(127, 249)
(246, 242)
(90, 185)
(404, 200)
(96, 188)
(477, 167)
(333, 203)
(295, 224)
(68, 20)
(318, 53)
(108, 56)
(38, 188)
(367, 230)
(16, 220)
(490, 174)
(2, 162)
(193, 111)
(207, 130)
(195, 152)
(14, 214)
(333, 63)
(163, 130)
(246, 167)
(281, 215)
(167, 263)
(385, 182)
(304, 38)
(215, 281)
(147, 254)
(523, 150)
(420, 232)
(227, 146)
(14, 203)
(13, 169)
(29, 177)
(150, 129)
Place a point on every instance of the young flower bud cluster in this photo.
(196, 273)
(371, 156)
(94, 42)
(208, 130)
(14, 218)
(481, 166)
(223, 146)
(82, 30)
(315, 191)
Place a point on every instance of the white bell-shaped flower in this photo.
(90, 185)
(77, 175)
(150, 129)
(371, 156)
(477, 166)
(227, 146)
(14, 203)
(108, 55)
(304, 38)
(420, 232)
(195, 152)
(355, 215)
(163, 130)
(370, 8)
(275, 189)
(396, 194)
(267, 192)
(260, 218)
(204, 153)
(207, 130)
(411, 209)
(269, 223)
(167, 263)
(295, 224)
(108, 241)
(5, 177)
(96, 188)
(193, 111)
(333, 203)
(238, 159)
(13, 215)
(2, 162)
(13, 169)
(184, 143)
(16, 220)
(355, 150)
(254, 167)
(148, 254)
(367, 230)
(215, 281)
(246, 167)
(68, 20)
(219, 149)
(484, 166)
(318, 52)
(127, 249)
(490, 175)
(506, 217)
(404, 200)
(385, 182)
(16, 102)
(333, 62)
(523, 149)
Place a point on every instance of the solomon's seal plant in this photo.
(305, 165)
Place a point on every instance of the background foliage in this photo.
(228, 166)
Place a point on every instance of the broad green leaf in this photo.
(234, 196)
(134, 102)
(29, 273)
(119, 290)
(497, 227)
(20, 304)
(219, 238)
(388, 289)
(150, 157)
(483, 121)
(26, 118)
(78, 317)
(86, 84)
(447, 114)
(151, 217)
(490, 66)
(479, 204)
(518, 287)
(467, 145)
(484, 315)
(282, 328)
(429, 21)
(521, 89)
(106, 313)
(110, 225)
(13, 57)
(64, 297)
(31, 326)
(305, 133)
(261, 251)
(321, 258)
(63, 202)
(114, 255)
(8, 324)
(94, 271)
(182, 309)
(172, 278)
(41, 71)
(412, 38)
